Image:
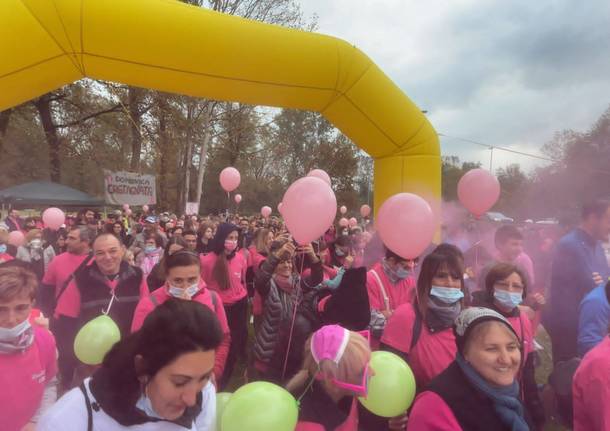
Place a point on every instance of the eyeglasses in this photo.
(361, 389)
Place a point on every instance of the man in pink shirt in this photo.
(62, 267)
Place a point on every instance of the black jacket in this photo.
(473, 410)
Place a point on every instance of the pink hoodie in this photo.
(591, 390)
(237, 273)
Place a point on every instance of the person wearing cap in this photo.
(479, 390)
(334, 373)
(421, 332)
(150, 228)
(506, 287)
(224, 271)
(591, 387)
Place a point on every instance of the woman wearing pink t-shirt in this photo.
(421, 332)
(28, 356)
(224, 271)
(183, 281)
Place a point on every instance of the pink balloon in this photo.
(478, 190)
(16, 238)
(343, 222)
(365, 210)
(194, 218)
(230, 179)
(319, 173)
(53, 218)
(343, 209)
(237, 198)
(145, 208)
(353, 222)
(406, 224)
(128, 211)
(309, 207)
(266, 211)
(279, 207)
(125, 207)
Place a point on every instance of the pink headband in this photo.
(329, 343)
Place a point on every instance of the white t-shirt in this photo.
(70, 414)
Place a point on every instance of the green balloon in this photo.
(222, 398)
(260, 406)
(95, 339)
(392, 389)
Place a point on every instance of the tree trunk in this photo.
(134, 97)
(207, 116)
(4, 119)
(188, 157)
(43, 105)
(164, 150)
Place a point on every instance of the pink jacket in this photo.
(591, 390)
(146, 305)
(237, 273)
(431, 413)
(398, 294)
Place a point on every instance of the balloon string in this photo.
(105, 312)
(294, 317)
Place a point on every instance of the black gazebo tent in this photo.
(47, 193)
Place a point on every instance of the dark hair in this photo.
(429, 268)
(597, 207)
(505, 233)
(500, 272)
(180, 258)
(175, 240)
(172, 329)
(156, 237)
(449, 249)
(390, 254)
(220, 272)
(188, 232)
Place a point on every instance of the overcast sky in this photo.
(506, 73)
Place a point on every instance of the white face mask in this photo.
(178, 292)
(17, 338)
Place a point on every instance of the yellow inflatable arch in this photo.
(173, 47)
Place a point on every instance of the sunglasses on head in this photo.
(361, 389)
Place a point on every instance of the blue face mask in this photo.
(448, 295)
(339, 252)
(149, 249)
(402, 273)
(2, 248)
(508, 300)
(178, 292)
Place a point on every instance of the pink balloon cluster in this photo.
(309, 207)
(229, 179)
(478, 190)
(53, 218)
(406, 224)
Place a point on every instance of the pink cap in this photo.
(329, 343)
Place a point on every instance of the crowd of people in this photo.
(205, 304)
